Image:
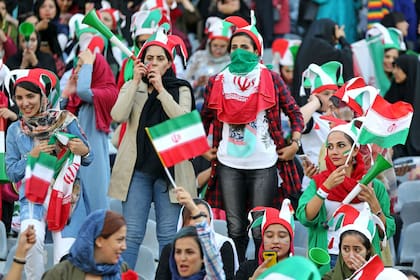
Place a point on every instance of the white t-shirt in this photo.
(247, 146)
(313, 141)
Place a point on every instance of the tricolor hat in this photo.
(244, 27)
(346, 218)
(320, 78)
(115, 15)
(77, 28)
(46, 80)
(159, 4)
(168, 42)
(146, 22)
(392, 38)
(285, 50)
(292, 268)
(349, 129)
(216, 28)
(358, 96)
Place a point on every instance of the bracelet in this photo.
(322, 192)
(19, 260)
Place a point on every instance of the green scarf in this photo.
(242, 62)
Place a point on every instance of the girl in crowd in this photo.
(194, 254)
(224, 244)
(277, 235)
(96, 253)
(29, 138)
(138, 178)
(327, 190)
(30, 56)
(243, 104)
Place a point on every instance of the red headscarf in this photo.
(339, 192)
(105, 93)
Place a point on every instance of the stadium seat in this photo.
(407, 191)
(145, 265)
(410, 243)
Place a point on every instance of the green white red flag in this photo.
(179, 139)
(386, 124)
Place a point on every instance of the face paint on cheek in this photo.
(346, 152)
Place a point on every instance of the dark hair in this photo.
(188, 231)
(365, 241)
(112, 223)
(186, 214)
(254, 45)
(28, 86)
(38, 5)
(168, 56)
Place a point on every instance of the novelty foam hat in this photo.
(358, 96)
(168, 42)
(285, 50)
(146, 22)
(392, 38)
(348, 129)
(320, 78)
(244, 27)
(149, 5)
(46, 80)
(346, 218)
(216, 28)
(293, 268)
(77, 28)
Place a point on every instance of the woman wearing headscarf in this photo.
(406, 87)
(96, 253)
(90, 93)
(319, 46)
(28, 143)
(224, 244)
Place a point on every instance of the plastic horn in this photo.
(92, 19)
(3, 176)
(26, 29)
(380, 165)
(320, 258)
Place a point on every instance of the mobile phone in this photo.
(305, 158)
(272, 255)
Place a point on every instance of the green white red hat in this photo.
(250, 29)
(115, 15)
(146, 22)
(149, 5)
(285, 50)
(168, 42)
(392, 38)
(216, 28)
(358, 96)
(320, 78)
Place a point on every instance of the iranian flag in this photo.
(3, 128)
(386, 124)
(370, 270)
(179, 138)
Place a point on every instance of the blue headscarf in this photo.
(82, 251)
(188, 231)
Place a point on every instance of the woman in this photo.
(355, 241)
(28, 139)
(327, 190)
(30, 56)
(208, 62)
(243, 103)
(405, 87)
(322, 36)
(138, 178)
(53, 34)
(96, 253)
(277, 235)
(224, 244)
(90, 93)
(194, 254)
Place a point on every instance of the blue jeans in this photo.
(145, 189)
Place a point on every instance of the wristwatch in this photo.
(199, 215)
(297, 142)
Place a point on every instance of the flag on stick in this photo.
(179, 138)
(386, 124)
(370, 270)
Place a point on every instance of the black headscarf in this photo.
(318, 47)
(408, 91)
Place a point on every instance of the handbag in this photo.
(10, 191)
